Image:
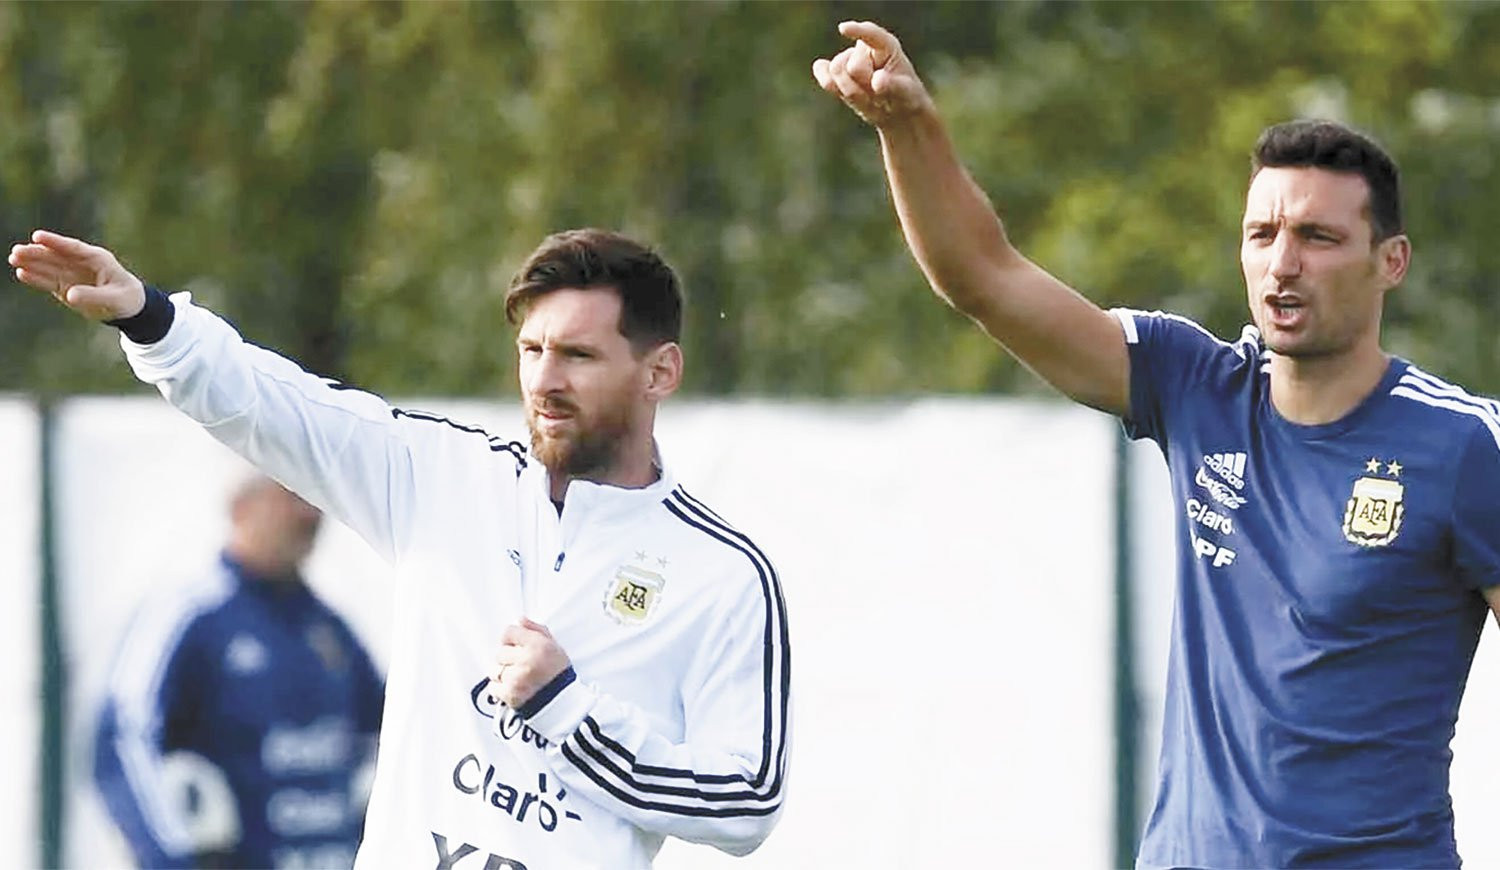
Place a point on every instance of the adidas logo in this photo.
(1230, 466)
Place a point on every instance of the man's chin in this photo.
(552, 453)
(1299, 350)
(569, 459)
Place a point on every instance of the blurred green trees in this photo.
(353, 182)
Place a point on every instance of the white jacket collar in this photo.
(601, 500)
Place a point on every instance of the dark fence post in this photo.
(54, 670)
(1127, 819)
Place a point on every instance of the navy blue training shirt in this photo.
(1328, 607)
(259, 682)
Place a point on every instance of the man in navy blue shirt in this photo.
(242, 712)
(1343, 532)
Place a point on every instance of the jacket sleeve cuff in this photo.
(556, 710)
(150, 324)
(151, 360)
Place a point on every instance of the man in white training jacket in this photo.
(586, 659)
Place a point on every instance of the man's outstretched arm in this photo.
(958, 239)
(344, 450)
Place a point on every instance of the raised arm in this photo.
(958, 239)
(343, 450)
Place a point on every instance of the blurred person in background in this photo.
(1342, 542)
(587, 659)
(242, 714)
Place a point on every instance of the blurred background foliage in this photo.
(353, 182)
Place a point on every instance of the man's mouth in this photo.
(1285, 310)
(554, 410)
(552, 416)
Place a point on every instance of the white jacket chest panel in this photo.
(624, 588)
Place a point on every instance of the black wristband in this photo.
(150, 324)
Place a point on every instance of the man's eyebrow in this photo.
(1301, 226)
(565, 346)
(1318, 226)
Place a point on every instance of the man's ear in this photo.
(663, 370)
(1392, 259)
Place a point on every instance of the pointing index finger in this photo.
(881, 42)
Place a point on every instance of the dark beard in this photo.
(592, 451)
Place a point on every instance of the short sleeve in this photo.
(1169, 356)
(1476, 511)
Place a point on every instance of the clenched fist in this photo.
(528, 660)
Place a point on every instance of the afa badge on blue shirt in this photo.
(1373, 515)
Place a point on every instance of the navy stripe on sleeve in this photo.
(694, 793)
(545, 694)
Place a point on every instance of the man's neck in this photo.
(270, 570)
(1311, 391)
(639, 469)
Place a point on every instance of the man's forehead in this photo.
(1307, 193)
(573, 311)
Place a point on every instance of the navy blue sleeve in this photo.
(129, 743)
(1169, 357)
(121, 797)
(1476, 510)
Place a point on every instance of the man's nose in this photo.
(544, 375)
(1286, 261)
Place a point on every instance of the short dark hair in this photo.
(1334, 146)
(650, 296)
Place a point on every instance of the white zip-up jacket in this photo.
(678, 721)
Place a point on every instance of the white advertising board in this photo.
(947, 566)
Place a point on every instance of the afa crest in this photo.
(633, 595)
(1373, 516)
